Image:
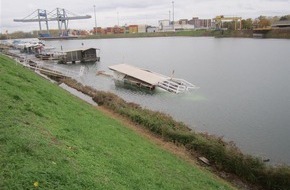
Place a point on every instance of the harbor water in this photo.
(244, 93)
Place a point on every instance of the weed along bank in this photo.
(82, 55)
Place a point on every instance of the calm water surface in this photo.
(244, 92)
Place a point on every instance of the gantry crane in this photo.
(60, 15)
(219, 21)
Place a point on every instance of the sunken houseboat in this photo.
(82, 55)
(150, 80)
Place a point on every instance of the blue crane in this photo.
(60, 15)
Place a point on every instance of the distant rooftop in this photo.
(81, 49)
(281, 24)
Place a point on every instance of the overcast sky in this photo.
(110, 12)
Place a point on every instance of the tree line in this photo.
(260, 22)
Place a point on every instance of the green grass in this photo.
(51, 137)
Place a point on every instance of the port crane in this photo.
(60, 15)
(220, 19)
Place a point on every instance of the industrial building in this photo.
(200, 23)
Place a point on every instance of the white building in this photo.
(165, 26)
(142, 28)
(168, 26)
(178, 26)
(152, 29)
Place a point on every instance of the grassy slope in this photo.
(50, 137)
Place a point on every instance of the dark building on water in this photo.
(80, 55)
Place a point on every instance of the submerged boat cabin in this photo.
(148, 79)
(80, 55)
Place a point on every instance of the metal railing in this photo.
(176, 85)
(54, 70)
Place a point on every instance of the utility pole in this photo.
(95, 17)
(118, 18)
(173, 14)
(169, 16)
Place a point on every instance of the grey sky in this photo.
(136, 12)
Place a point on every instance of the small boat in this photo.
(45, 53)
(146, 79)
(45, 56)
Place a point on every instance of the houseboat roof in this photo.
(140, 74)
(80, 49)
(282, 23)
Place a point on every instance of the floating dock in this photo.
(150, 80)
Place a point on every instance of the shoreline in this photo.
(273, 34)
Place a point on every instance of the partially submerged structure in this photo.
(150, 80)
(80, 55)
(283, 24)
